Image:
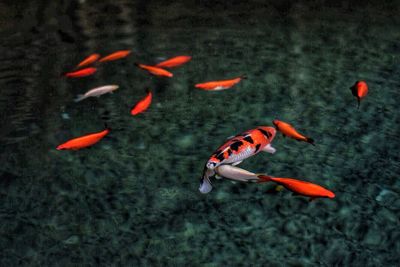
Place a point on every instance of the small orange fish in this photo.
(143, 104)
(155, 70)
(81, 73)
(115, 55)
(220, 85)
(359, 90)
(89, 60)
(174, 62)
(83, 141)
(287, 130)
(299, 187)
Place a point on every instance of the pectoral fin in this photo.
(237, 163)
(218, 177)
(269, 149)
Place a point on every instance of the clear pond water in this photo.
(133, 199)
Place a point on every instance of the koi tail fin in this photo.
(79, 98)
(205, 185)
(243, 76)
(106, 126)
(310, 140)
(262, 178)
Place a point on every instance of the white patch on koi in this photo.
(220, 88)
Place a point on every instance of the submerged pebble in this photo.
(65, 116)
(373, 237)
(386, 197)
(72, 240)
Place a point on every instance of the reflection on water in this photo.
(133, 198)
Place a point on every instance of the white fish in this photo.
(98, 91)
(226, 171)
(235, 173)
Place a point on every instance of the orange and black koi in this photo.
(219, 85)
(155, 70)
(288, 130)
(116, 55)
(359, 90)
(174, 62)
(299, 187)
(143, 104)
(237, 149)
(81, 73)
(242, 146)
(83, 141)
(89, 60)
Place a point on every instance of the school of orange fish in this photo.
(222, 163)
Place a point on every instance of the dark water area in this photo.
(133, 198)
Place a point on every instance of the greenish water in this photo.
(133, 199)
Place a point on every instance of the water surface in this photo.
(133, 200)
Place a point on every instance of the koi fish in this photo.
(89, 60)
(81, 73)
(235, 173)
(174, 62)
(299, 187)
(359, 90)
(116, 55)
(287, 130)
(155, 70)
(97, 92)
(83, 141)
(143, 104)
(220, 85)
(237, 149)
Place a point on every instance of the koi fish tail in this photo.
(262, 178)
(205, 183)
(106, 126)
(243, 76)
(310, 140)
(79, 98)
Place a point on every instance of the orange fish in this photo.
(359, 90)
(155, 70)
(299, 187)
(287, 130)
(115, 55)
(81, 73)
(174, 62)
(142, 105)
(89, 60)
(220, 85)
(83, 141)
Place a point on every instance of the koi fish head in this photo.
(330, 194)
(269, 132)
(276, 123)
(61, 147)
(114, 87)
(212, 164)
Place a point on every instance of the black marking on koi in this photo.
(249, 139)
(235, 146)
(267, 134)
